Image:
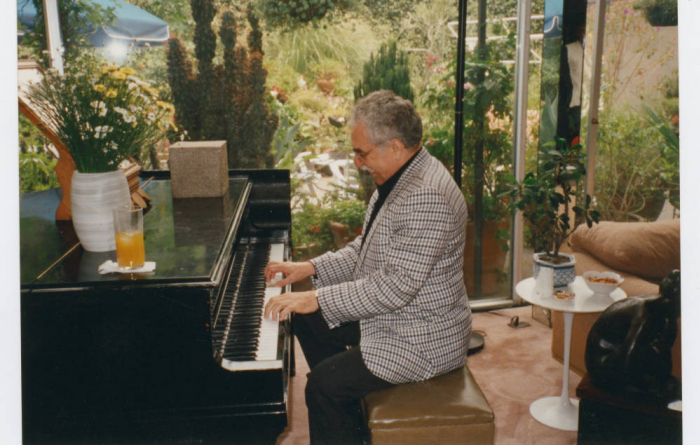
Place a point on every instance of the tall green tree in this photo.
(224, 101)
(389, 70)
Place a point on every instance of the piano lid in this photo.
(185, 237)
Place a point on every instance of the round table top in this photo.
(584, 300)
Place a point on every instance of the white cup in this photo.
(544, 282)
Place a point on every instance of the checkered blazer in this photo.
(405, 284)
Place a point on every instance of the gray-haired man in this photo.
(396, 291)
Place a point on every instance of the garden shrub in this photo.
(327, 69)
(629, 183)
(36, 172)
(240, 115)
(292, 14)
(311, 100)
(282, 76)
(389, 70)
(303, 47)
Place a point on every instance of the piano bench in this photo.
(448, 409)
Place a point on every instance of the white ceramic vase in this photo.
(93, 197)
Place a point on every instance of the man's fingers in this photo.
(283, 314)
(270, 307)
(280, 283)
(271, 270)
(278, 308)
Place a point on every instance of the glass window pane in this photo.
(637, 170)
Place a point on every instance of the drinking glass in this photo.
(128, 234)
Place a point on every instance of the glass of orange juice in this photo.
(128, 234)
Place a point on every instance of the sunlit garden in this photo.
(277, 80)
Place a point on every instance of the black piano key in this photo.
(241, 347)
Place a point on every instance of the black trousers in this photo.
(337, 382)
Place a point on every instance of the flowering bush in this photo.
(103, 114)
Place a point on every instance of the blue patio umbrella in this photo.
(132, 25)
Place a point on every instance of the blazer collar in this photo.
(407, 177)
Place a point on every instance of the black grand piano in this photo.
(179, 356)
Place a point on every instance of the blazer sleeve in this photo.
(336, 267)
(422, 227)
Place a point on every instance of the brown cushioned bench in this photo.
(448, 409)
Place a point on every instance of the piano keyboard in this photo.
(243, 338)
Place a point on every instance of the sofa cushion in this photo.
(649, 250)
(633, 285)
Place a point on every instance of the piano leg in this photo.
(292, 354)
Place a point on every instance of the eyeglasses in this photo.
(362, 154)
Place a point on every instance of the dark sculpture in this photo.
(629, 346)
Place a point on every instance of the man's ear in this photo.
(397, 146)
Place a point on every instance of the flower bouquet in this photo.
(102, 113)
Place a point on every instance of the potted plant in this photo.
(546, 201)
(104, 115)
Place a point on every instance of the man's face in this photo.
(382, 160)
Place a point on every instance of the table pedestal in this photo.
(559, 412)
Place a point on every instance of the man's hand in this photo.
(297, 302)
(293, 272)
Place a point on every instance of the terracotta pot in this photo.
(493, 257)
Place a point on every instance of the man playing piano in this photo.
(396, 293)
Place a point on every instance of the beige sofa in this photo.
(642, 253)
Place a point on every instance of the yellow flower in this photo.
(99, 88)
(111, 93)
(108, 69)
(151, 91)
(127, 71)
(165, 105)
(119, 75)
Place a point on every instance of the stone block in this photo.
(199, 169)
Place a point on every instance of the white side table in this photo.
(562, 412)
